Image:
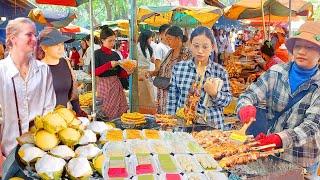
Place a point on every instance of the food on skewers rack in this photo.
(222, 150)
(226, 149)
(245, 158)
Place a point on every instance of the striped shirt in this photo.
(299, 126)
(183, 75)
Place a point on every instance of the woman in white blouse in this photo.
(26, 87)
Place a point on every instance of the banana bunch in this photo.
(85, 99)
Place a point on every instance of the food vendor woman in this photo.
(292, 97)
(109, 87)
(185, 73)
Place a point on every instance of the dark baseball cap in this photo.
(52, 37)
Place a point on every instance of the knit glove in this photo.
(270, 139)
(247, 113)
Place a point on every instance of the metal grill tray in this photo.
(271, 167)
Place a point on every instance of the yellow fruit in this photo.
(38, 122)
(33, 129)
(67, 114)
(53, 123)
(98, 162)
(69, 136)
(45, 140)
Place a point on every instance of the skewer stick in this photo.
(263, 147)
(274, 151)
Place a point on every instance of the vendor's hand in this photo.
(211, 88)
(82, 114)
(114, 63)
(247, 113)
(271, 139)
(153, 59)
(141, 78)
(128, 68)
(260, 136)
(150, 74)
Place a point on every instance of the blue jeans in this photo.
(313, 171)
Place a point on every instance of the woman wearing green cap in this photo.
(291, 96)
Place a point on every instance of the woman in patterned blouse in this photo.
(177, 53)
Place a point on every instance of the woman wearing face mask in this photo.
(65, 84)
(109, 87)
(200, 69)
(177, 53)
(291, 97)
(26, 88)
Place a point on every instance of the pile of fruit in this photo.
(60, 142)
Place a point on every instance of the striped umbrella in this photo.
(73, 3)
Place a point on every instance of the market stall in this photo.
(119, 149)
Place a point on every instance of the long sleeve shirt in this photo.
(183, 75)
(299, 127)
(35, 96)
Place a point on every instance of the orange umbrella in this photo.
(252, 8)
(273, 19)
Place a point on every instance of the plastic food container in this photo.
(213, 175)
(112, 135)
(111, 149)
(132, 134)
(171, 176)
(188, 163)
(178, 147)
(146, 177)
(167, 136)
(138, 146)
(116, 167)
(143, 164)
(167, 164)
(207, 162)
(194, 147)
(195, 176)
(151, 134)
(159, 147)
